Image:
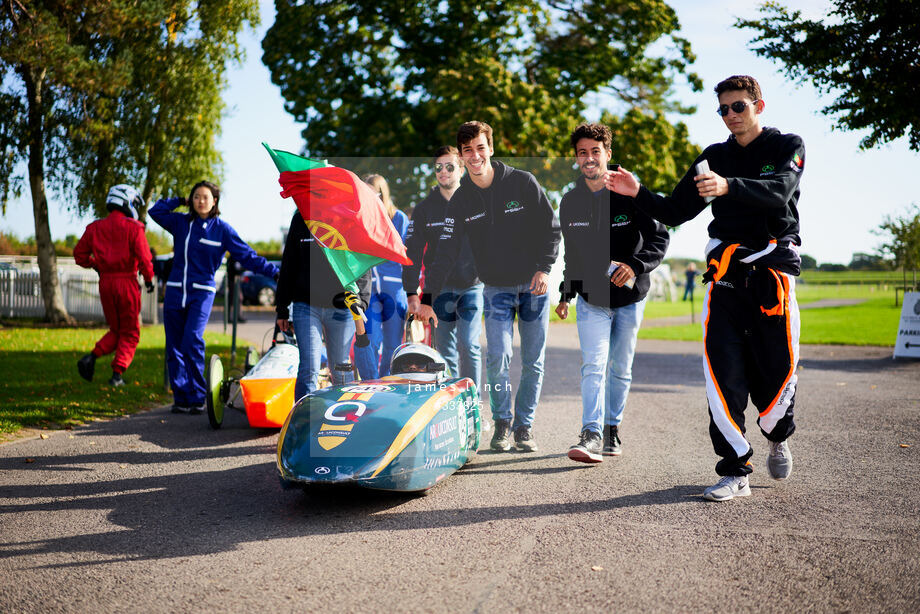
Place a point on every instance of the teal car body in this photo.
(393, 433)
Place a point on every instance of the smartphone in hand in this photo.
(613, 167)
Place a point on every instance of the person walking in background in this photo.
(459, 306)
(116, 247)
(610, 249)
(318, 311)
(690, 276)
(750, 314)
(200, 239)
(387, 312)
(514, 236)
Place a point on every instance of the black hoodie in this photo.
(762, 201)
(307, 277)
(511, 227)
(602, 226)
(421, 242)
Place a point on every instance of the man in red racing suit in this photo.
(116, 247)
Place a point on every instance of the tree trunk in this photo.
(55, 311)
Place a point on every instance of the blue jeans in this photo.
(502, 304)
(608, 343)
(459, 312)
(310, 324)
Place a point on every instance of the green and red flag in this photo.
(342, 212)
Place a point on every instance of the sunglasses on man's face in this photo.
(738, 107)
(449, 166)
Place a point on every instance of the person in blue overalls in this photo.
(200, 239)
(387, 311)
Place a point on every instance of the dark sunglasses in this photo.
(737, 106)
(439, 167)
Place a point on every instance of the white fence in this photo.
(21, 297)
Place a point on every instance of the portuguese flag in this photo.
(342, 212)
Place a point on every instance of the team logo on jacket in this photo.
(512, 205)
(767, 169)
(797, 163)
(620, 220)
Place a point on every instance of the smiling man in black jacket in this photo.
(514, 236)
(459, 308)
(750, 315)
(610, 248)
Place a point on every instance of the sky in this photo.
(845, 192)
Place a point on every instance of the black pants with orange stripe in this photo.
(751, 343)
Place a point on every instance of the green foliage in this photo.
(866, 52)
(41, 388)
(159, 240)
(808, 263)
(119, 93)
(868, 262)
(270, 249)
(12, 245)
(903, 239)
(105, 92)
(393, 80)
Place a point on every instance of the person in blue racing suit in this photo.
(200, 239)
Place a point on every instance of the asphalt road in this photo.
(158, 513)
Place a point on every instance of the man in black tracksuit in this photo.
(610, 249)
(750, 315)
(514, 236)
(459, 307)
(319, 312)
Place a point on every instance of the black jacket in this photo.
(602, 227)
(307, 277)
(421, 241)
(762, 201)
(511, 226)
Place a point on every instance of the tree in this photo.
(169, 115)
(867, 262)
(867, 52)
(809, 263)
(90, 91)
(395, 79)
(903, 245)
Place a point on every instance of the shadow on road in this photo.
(189, 512)
(204, 513)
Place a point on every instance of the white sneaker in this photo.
(728, 487)
(779, 460)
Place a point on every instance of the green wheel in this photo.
(215, 380)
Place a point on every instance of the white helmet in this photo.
(124, 198)
(417, 358)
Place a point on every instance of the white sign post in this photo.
(908, 343)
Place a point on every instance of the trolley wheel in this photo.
(215, 380)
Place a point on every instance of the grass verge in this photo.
(41, 389)
(873, 322)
